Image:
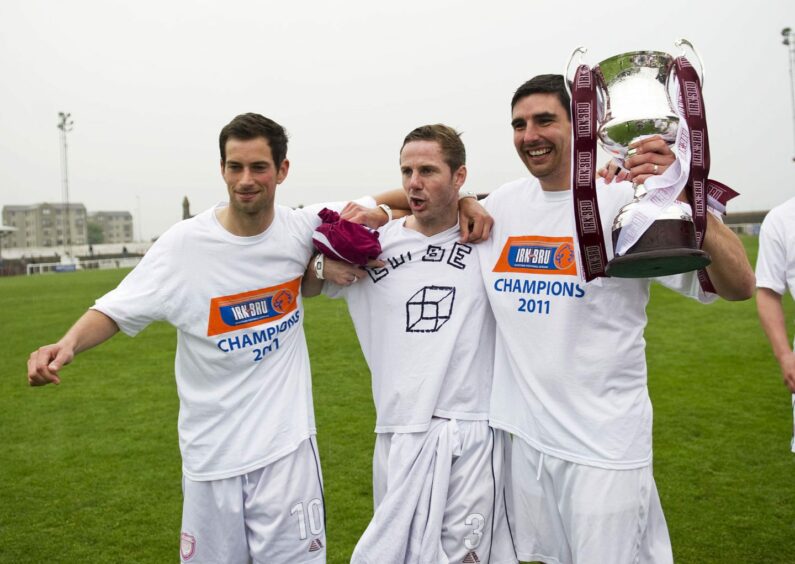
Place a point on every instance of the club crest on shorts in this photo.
(533, 254)
(187, 546)
(247, 309)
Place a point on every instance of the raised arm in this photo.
(772, 319)
(730, 271)
(395, 201)
(90, 330)
(475, 221)
(473, 218)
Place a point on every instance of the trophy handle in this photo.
(682, 41)
(566, 80)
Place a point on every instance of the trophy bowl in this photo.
(634, 101)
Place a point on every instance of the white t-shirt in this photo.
(775, 265)
(425, 329)
(570, 366)
(241, 365)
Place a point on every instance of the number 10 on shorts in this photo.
(310, 518)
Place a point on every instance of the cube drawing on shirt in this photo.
(429, 309)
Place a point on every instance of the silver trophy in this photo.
(634, 101)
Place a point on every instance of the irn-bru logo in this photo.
(538, 255)
(230, 313)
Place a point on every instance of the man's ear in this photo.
(283, 170)
(459, 177)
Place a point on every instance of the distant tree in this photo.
(95, 234)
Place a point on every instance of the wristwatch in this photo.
(466, 194)
(317, 263)
(387, 211)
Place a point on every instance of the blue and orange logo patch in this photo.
(532, 254)
(230, 313)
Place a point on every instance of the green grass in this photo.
(90, 469)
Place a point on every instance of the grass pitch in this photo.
(90, 469)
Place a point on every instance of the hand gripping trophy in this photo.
(622, 100)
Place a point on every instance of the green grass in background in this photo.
(90, 469)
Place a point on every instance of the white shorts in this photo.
(562, 512)
(474, 525)
(274, 514)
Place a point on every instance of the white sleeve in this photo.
(334, 291)
(772, 259)
(142, 297)
(688, 285)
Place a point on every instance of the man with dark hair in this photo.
(570, 367)
(250, 126)
(427, 334)
(544, 84)
(229, 280)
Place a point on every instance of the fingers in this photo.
(342, 273)
(44, 364)
(466, 230)
(648, 157)
(640, 173)
(357, 274)
(478, 230)
(613, 171)
(788, 371)
(653, 144)
(637, 160)
(474, 221)
(356, 213)
(487, 225)
(371, 217)
(349, 209)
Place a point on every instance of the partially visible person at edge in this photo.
(570, 370)
(427, 333)
(775, 274)
(229, 281)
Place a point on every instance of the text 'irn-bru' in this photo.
(533, 254)
(248, 309)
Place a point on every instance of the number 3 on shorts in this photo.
(476, 521)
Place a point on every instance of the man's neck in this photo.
(554, 185)
(555, 181)
(243, 224)
(431, 228)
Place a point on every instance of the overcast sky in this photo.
(150, 84)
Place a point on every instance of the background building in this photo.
(117, 226)
(45, 225)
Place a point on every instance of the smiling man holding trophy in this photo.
(570, 368)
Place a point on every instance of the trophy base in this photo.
(667, 247)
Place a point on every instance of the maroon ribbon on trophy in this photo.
(699, 188)
(593, 257)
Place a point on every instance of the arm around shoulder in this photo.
(730, 271)
(338, 272)
(312, 284)
(92, 329)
